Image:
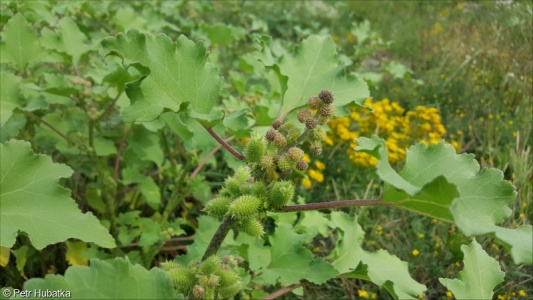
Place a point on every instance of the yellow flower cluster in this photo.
(315, 174)
(390, 121)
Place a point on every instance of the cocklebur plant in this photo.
(257, 188)
(173, 85)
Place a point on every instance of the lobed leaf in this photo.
(380, 267)
(290, 262)
(314, 67)
(32, 201)
(9, 95)
(21, 46)
(174, 73)
(112, 279)
(480, 275)
(453, 188)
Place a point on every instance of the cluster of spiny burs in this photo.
(257, 187)
(211, 279)
(254, 190)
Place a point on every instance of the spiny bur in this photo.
(267, 162)
(317, 135)
(198, 292)
(313, 102)
(295, 153)
(311, 123)
(244, 207)
(210, 265)
(277, 123)
(326, 96)
(227, 277)
(259, 190)
(270, 135)
(183, 279)
(304, 115)
(280, 140)
(302, 165)
(255, 149)
(213, 280)
(227, 292)
(327, 110)
(251, 227)
(293, 134)
(242, 175)
(316, 150)
(285, 165)
(217, 207)
(233, 186)
(286, 127)
(280, 194)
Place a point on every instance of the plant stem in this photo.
(219, 236)
(71, 142)
(204, 161)
(222, 142)
(335, 204)
(283, 291)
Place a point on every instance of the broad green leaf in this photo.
(314, 67)
(104, 147)
(150, 191)
(33, 201)
(480, 275)
(521, 240)
(21, 257)
(239, 120)
(481, 201)
(177, 72)
(290, 262)
(144, 145)
(379, 267)
(9, 95)
(376, 147)
(21, 45)
(112, 279)
(73, 40)
(222, 34)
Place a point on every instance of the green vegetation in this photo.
(250, 149)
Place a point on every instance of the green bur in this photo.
(245, 207)
(281, 193)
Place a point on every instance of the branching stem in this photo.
(283, 291)
(222, 142)
(335, 204)
(219, 236)
(71, 142)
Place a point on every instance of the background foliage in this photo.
(432, 73)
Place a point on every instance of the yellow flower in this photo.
(306, 158)
(379, 230)
(362, 293)
(415, 252)
(421, 296)
(420, 235)
(320, 165)
(306, 183)
(449, 295)
(521, 293)
(316, 175)
(374, 296)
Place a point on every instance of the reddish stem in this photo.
(223, 142)
(334, 204)
(283, 291)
